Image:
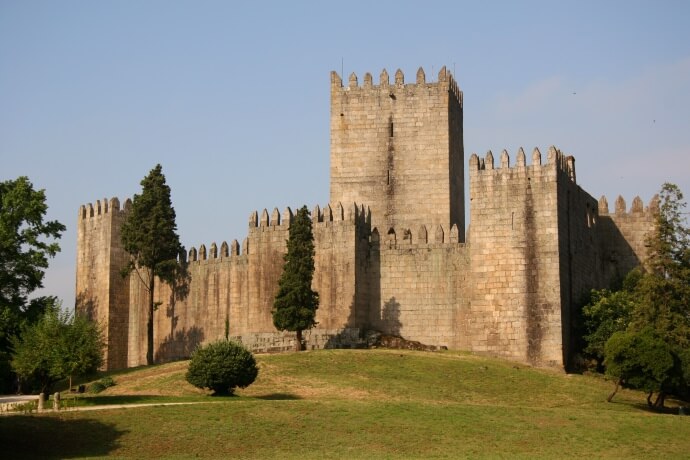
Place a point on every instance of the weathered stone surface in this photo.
(391, 250)
(399, 150)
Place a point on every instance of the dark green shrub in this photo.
(102, 384)
(222, 366)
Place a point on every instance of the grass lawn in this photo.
(359, 404)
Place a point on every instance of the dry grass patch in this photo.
(160, 380)
(273, 380)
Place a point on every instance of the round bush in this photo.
(222, 366)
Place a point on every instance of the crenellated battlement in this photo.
(555, 158)
(358, 214)
(637, 207)
(226, 252)
(422, 236)
(335, 212)
(445, 78)
(103, 207)
(258, 223)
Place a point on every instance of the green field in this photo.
(358, 404)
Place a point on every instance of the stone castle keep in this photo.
(392, 253)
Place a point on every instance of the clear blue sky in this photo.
(232, 98)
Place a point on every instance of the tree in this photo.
(669, 244)
(23, 253)
(57, 346)
(641, 360)
(294, 308)
(11, 323)
(81, 347)
(653, 351)
(663, 294)
(149, 235)
(25, 248)
(608, 312)
(222, 366)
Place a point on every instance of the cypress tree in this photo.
(294, 308)
(149, 235)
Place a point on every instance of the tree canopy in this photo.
(26, 244)
(24, 251)
(149, 235)
(663, 294)
(57, 346)
(641, 360)
(669, 245)
(645, 327)
(608, 312)
(295, 305)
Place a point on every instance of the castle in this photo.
(392, 254)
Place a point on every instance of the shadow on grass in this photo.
(278, 397)
(672, 406)
(120, 399)
(24, 436)
(668, 410)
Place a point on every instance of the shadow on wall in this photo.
(384, 316)
(180, 289)
(387, 324)
(87, 306)
(350, 337)
(180, 345)
(390, 317)
(535, 310)
(618, 257)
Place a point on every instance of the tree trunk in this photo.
(615, 390)
(660, 398)
(298, 340)
(149, 323)
(649, 399)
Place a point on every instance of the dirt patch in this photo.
(377, 340)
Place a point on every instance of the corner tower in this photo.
(102, 293)
(399, 149)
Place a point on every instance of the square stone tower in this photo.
(102, 292)
(398, 149)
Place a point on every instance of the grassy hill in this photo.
(359, 404)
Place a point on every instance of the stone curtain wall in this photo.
(512, 292)
(239, 284)
(398, 148)
(421, 286)
(624, 232)
(336, 235)
(102, 293)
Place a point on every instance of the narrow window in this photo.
(390, 129)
